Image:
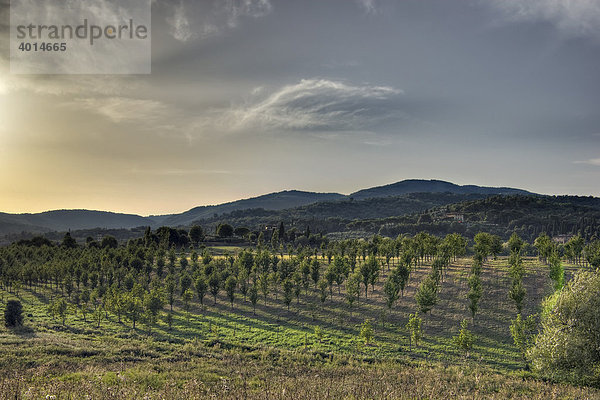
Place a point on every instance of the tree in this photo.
(109, 242)
(315, 268)
(475, 292)
(366, 332)
(214, 283)
(557, 272)
(154, 301)
(523, 333)
(426, 295)
(196, 234)
(352, 288)
(185, 283)
(224, 231)
(414, 326)
(170, 288)
(517, 294)
(391, 291)
(465, 338)
(288, 287)
(187, 297)
(134, 307)
(253, 292)
(544, 246)
(230, 286)
(201, 288)
(58, 308)
(13, 314)
(567, 346)
(68, 241)
(323, 290)
(515, 243)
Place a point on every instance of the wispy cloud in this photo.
(591, 161)
(320, 104)
(369, 6)
(571, 17)
(124, 109)
(192, 19)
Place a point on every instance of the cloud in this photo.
(320, 105)
(591, 161)
(193, 19)
(578, 18)
(369, 6)
(123, 109)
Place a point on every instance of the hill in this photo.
(62, 220)
(272, 201)
(431, 186)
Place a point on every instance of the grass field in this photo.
(232, 353)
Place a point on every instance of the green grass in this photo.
(217, 349)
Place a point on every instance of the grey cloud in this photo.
(200, 19)
(579, 18)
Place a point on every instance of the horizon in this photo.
(246, 98)
(158, 214)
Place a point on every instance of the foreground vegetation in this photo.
(407, 317)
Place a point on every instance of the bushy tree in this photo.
(567, 346)
(13, 314)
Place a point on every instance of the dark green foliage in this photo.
(13, 313)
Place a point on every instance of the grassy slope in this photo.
(219, 348)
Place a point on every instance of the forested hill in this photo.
(62, 220)
(431, 186)
(437, 213)
(272, 201)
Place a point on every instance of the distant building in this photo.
(561, 239)
(455, 217)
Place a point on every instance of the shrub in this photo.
(567, 346)
(13, 314)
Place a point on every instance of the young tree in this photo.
(59, 308)
(391, 291)
(187, 297)
(474, 294)
(315, 268)
(366, 332)
(323, 290)
(557, 272)
(253, 297)
(201, 288)
(230, 286)
(352, 289)
(426, 295)
(464, 340)
(214, 283)
(523, 333)
(170, 288)
(414, 326)
(288, 287)
(154, 301)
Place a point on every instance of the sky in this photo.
(248, 97)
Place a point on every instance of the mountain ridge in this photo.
(64, 219)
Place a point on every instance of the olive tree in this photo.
(567, 346)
